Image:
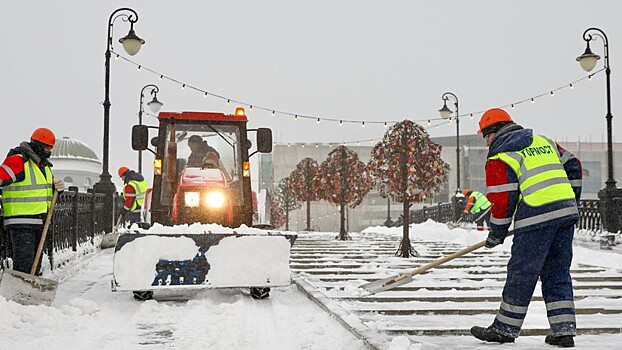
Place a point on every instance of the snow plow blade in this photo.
(163, 261)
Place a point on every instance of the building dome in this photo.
(75, 163)
(70, 148)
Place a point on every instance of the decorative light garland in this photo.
(295, 116)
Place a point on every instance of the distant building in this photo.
(75, 163)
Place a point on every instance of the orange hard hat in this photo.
(45, 136)
(493, 116)
(466, 192)
(122, 171)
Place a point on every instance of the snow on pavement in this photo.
(86, 314)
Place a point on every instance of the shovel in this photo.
(109, 240)
(28, 289)
(453, 225)
(404, 278)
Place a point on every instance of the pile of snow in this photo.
(198, 228)
(251, 259)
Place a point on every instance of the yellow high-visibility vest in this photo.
(481, 202)
(31, 196)
(541, 176)
(140, 190)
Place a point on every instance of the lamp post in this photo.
(445, 113)
(610, 196)
(155, 106)
(131, 43)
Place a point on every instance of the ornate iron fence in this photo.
(76, 220)
(444, 212)
(589, 211)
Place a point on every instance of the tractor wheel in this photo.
(143, 295)
(260, 293)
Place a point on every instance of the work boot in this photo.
(563, 341)
(490, 334)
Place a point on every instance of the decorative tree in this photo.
(285, 199)
(304, 183)
(405, 165)
(344, 181)
(277, 214)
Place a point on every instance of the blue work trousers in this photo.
(25, 241)
(544, 253)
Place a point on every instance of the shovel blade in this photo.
(27, 289)
(109, 240)
(387, 283)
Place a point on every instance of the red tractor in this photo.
(201, 175)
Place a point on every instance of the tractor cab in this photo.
(202, 169)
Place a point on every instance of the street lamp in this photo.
(155, 106)
(445, 113)
(131, 43)
(610, 196)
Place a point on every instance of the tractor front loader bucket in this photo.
(163, 261)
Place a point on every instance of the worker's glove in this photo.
(493, 240)
(59, 185)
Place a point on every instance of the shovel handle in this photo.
(457, 254)
(445, 259)
(116, 227)
(48, 219)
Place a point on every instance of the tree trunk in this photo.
(343, 233)
(308, 215)
(287, 219)
(405, 250)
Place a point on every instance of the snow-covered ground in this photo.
(86, 314)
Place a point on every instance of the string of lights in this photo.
(276, 112)
(331, 144)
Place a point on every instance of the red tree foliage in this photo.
(285, 201)
(344, 181)
(305, 184)
(404, 165)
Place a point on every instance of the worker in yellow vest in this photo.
(479, 206)
(536, 183)
(27, 187)
(134, 190)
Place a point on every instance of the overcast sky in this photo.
(353, 60)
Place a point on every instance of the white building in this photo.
(75, 163)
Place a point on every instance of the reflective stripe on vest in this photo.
(481, 202)
(541, 176)
(31, 196)
(140, 189)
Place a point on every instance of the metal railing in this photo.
(589, 212)
(77, 219)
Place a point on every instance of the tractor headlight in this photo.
(215, 199)
(192, 199)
